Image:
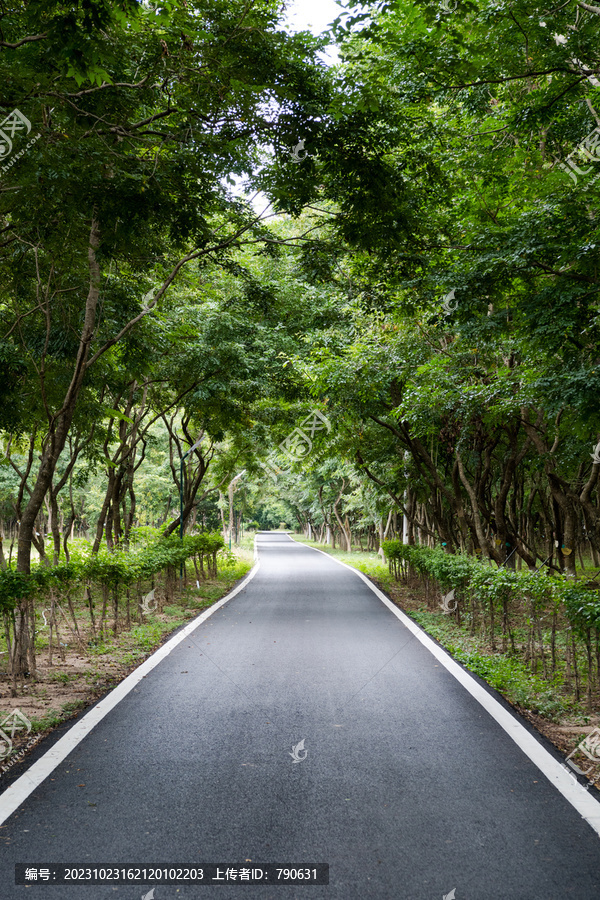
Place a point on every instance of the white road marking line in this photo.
(587, 806)
(17, 793)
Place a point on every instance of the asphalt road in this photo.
(407, 788)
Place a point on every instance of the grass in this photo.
(61, 677)
(247, 541)
(55, 717)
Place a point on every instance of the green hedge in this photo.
(497, 589)
(111, 568)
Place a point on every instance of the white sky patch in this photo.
(315, 16)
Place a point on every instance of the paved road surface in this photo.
(409, 788)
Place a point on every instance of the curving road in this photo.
(413, 781)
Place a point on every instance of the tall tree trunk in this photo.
(53, 445)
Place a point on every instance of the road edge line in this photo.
(25, 784)
(587, 806)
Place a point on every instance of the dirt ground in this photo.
(48, 692)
